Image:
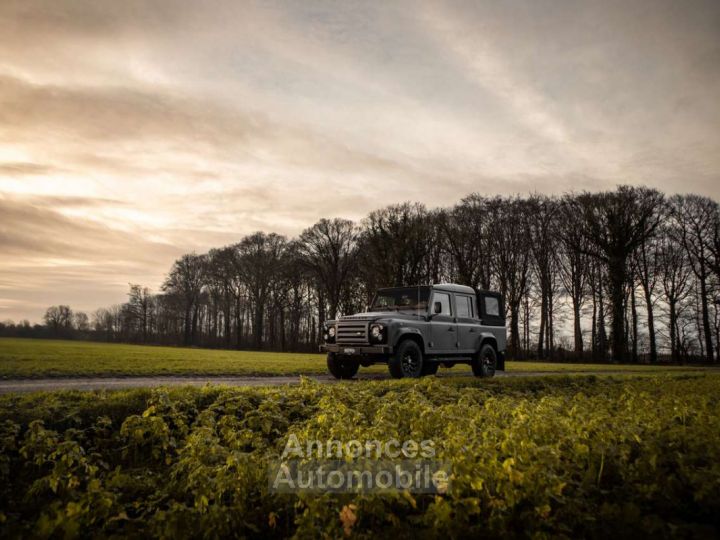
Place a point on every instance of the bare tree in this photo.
(102, 323)
(465, 236)
(259, 263)
(646, 266)
(510, 250)
(541, 214)
(223, 278)
(615, 224)
(674, 273)
(696, 218)
(394, 246)
(59, 319)
(81, 322)
(573, 264)
(139, 308)
(328, 250)
(186, 280)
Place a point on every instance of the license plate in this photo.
(349, 351)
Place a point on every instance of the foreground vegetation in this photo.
(581, 456)
(57, 358)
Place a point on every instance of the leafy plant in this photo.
(568, 456)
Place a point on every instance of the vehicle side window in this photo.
(464, 307)
(444, 300)
(492, 306)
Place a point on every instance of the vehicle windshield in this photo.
(405, 299)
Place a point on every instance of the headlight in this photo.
(331, 331)
(376, 331)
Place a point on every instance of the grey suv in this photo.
(416, 329)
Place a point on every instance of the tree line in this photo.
(628, 275)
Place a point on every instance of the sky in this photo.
(133, 132)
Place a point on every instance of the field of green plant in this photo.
(560, 456)
(51, 358)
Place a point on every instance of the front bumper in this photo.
(356, 349)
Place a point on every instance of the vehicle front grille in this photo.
(352, 332)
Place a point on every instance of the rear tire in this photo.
(484, 363)
(342, 367)
(407, 360)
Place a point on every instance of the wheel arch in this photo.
(410, 333)
(490, 339)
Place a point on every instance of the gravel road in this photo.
(116, 383)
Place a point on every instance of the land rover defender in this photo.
(414, 330)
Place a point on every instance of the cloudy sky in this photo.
(131, 132)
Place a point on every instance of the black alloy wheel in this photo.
(407, 360)
(484, 363)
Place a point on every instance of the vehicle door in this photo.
(492, 315)
(468, 323)
(443, 329)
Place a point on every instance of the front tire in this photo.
(407, 360)
(342, 367)
(484, 362)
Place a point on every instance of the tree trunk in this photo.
(258, 324)
(186, 325)
(602, 334)
(526, 324)
(651, 326)
(577, 330)
(633, 314)
(705, 315)
(699, 324)
(543, 322)
(238, 322)
(616, 275)
(321, 318)
(514, 330)
(593, 331)
(282, 330)
(193, 328)
(550, 331)
(227, 321)
(674, 356)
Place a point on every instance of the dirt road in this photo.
(116, 383)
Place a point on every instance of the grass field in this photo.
(567, 457)
(21, 358)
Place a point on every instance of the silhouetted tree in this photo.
(394, 245)
(510, 248)
(328, 250)
(615, 224)
(466, 237)
(59, 319)
(185, 281)
(259, 263)
(574, 265)
(646, 266)
(696, 218)
(541, 215)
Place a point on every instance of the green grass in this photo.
(51, 358)
(22, 358)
